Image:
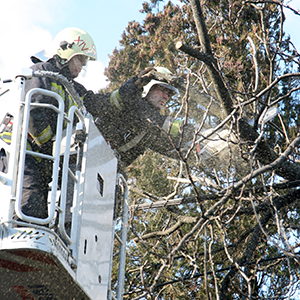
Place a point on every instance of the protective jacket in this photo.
(42, 122)
(132, 125)
(41, 130)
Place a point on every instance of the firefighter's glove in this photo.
(144, 77)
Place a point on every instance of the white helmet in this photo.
(153, 82)
(67, 43)
(73, 41)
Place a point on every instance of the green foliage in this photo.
(151, 171)
(169, 255)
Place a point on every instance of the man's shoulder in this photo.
(44, 66)
(40, 82)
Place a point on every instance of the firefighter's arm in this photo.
(80, 89)
(122, 98)
(131, 90)
(98, 105)
(95, 103)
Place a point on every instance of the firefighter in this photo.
(69, 53)
(130, 118)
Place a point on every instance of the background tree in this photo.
(224, 226)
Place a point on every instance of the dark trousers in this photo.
(35, 186)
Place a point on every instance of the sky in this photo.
(28, 26)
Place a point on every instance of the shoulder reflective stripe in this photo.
(132, 143)
(116, 101)
(6, 137)
(58, 89)
(175, 128)
(44, 136)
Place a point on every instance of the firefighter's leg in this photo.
(35, 190)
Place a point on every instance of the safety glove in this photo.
(144, 77)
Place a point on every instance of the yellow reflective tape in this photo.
(58, 89)
(30, 149)
(72, 103)
(28, 146)
(44, 136)
(6, 137)
(116, 101)
(175, 128)
(37, 158)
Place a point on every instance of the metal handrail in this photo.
(55, 158)
(122, 241)
(124, 229)
(63, 200)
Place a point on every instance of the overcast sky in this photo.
(27, 26)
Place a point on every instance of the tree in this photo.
(223, 227)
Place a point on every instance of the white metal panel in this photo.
(94, 250)
(36, 264)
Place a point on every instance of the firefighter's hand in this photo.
(144, 77)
